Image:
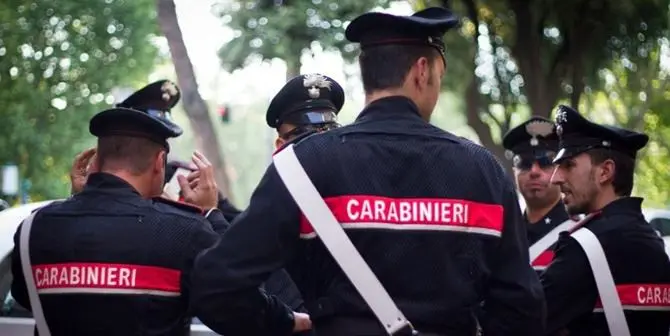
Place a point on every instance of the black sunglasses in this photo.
(525, 162)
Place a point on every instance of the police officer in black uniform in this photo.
(595, 173)
(112, 259)
(391, 157)
(305, 104)
(148, 98)
(532, 147)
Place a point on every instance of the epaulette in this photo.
(179, 205)
(584, 221)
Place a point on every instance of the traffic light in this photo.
(224, 113)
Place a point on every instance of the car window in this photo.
(8, 306)
(662, 225)
(11, 308)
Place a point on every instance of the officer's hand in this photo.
(204, 193)
(301, 322)
(82, 166)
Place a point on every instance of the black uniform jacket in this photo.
(228, 209)
(279, 283)
(639, 265)
(434, 215)
(555, 217)
(107, 262)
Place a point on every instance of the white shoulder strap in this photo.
(616, 320)
(549, 239)
(336, 241)
(35, 304)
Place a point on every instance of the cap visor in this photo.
(162, 128)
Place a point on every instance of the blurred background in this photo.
(63, 61)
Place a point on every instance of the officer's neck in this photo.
(381, 94)
(535, 213)
(604, 198)
(138, 182)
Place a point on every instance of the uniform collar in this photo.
(393, 107)
(624, 205)
(106, 181)
(556, 215)
(627, 206)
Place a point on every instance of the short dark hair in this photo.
(386, 66)
(132, 154)
(624, 168)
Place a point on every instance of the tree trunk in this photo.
(292, 67)
(473, 98)
(473, 105)
(195, 107)
(541, 89)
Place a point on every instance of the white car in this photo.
(14, 319)
(660, 221)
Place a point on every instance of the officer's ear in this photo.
(279, 142)
(423, 72)
(606, 171)
(94, 164)
(160, 161)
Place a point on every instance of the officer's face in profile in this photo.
(581, 182)
(533, 177)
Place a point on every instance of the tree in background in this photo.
(59, 61)
(634, 94)
(285, 29)
(517, 54)
(195, 107)
(509, 60)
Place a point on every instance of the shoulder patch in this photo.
(584, 221)
(179, 205)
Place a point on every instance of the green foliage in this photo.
(59, 60)
(284, 29)
(652, 178)
(634, 91)
(539, 52)
(535, 54)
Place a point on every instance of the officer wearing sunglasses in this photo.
(306, 104)
(532, 147)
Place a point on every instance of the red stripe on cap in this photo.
(423, 214)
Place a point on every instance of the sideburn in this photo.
(593, 190)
